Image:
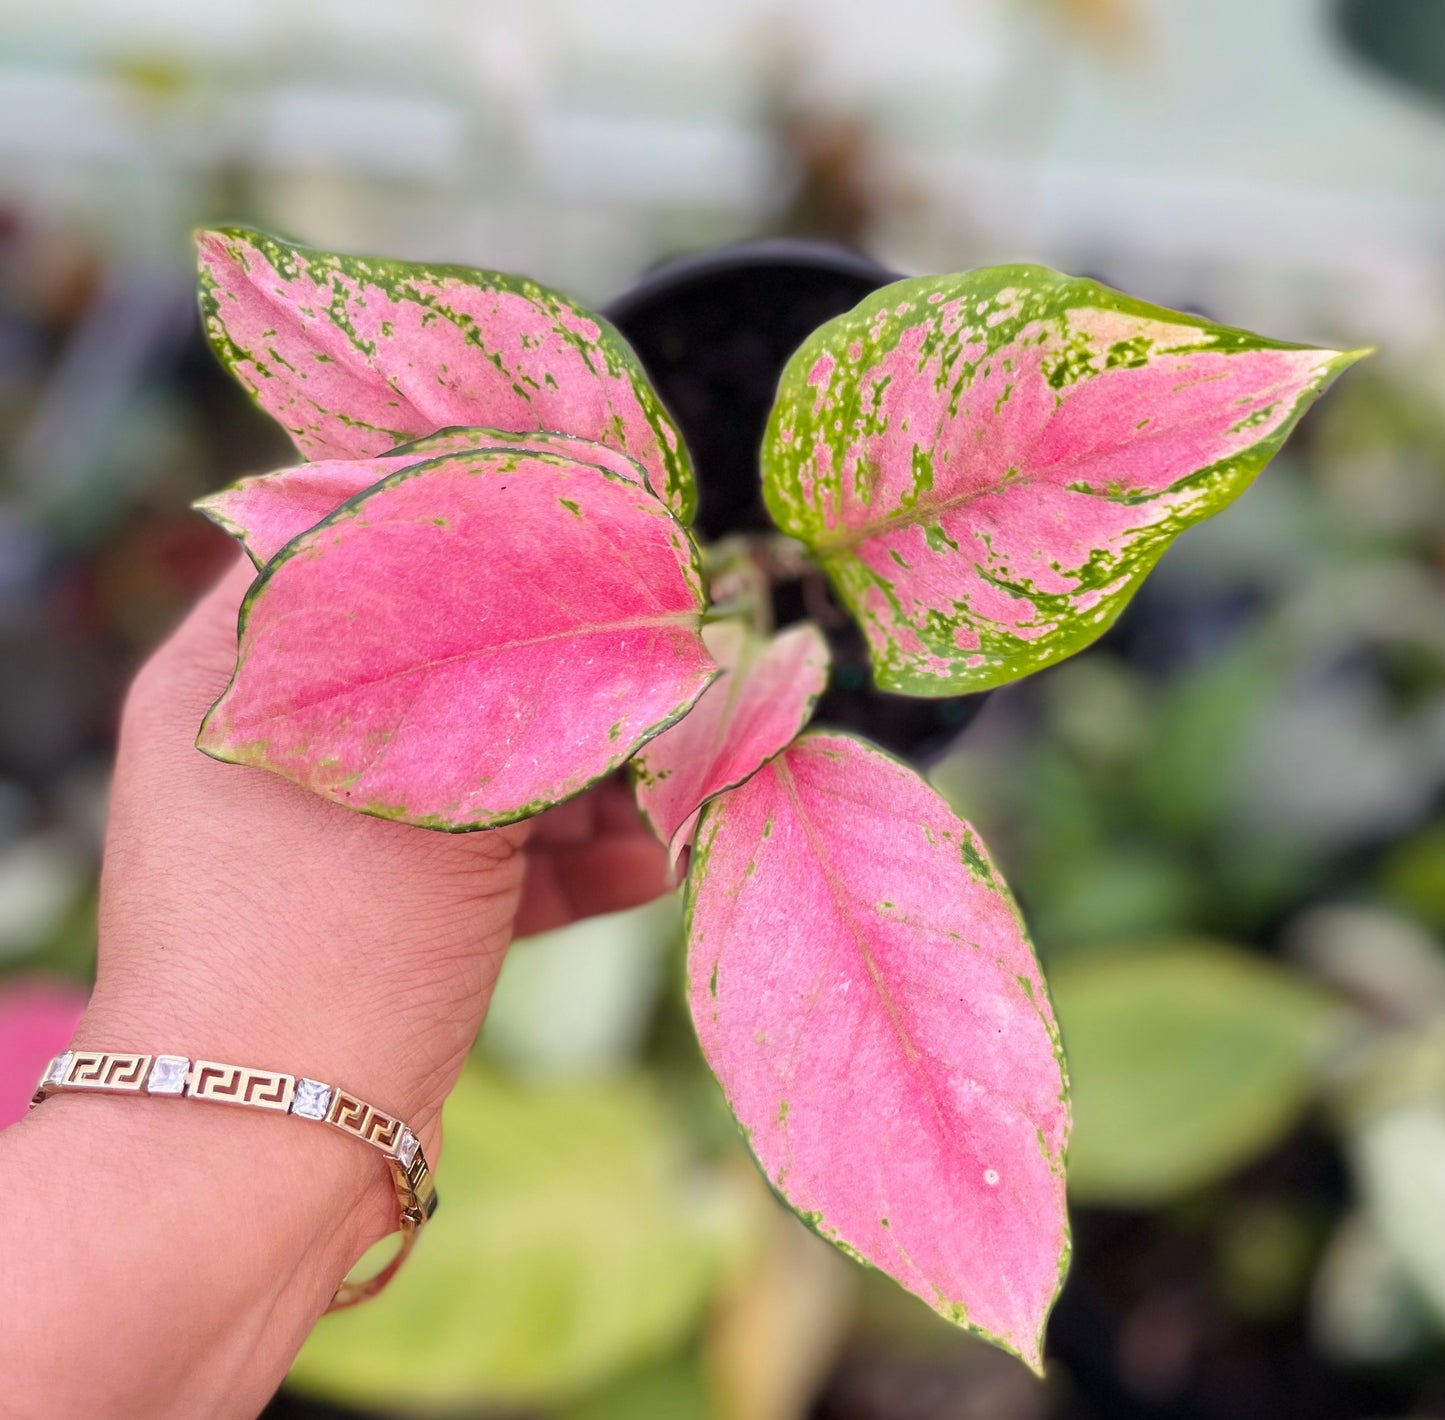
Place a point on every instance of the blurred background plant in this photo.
(1226, 823)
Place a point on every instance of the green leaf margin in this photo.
(1048, 295)
(356, 506)
(391, 274)
(813, 1221)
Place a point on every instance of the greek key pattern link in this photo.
(364, 1122)
(231, 1084)
(177, 1076)
(107, 1070)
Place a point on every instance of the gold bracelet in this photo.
(177, 1076)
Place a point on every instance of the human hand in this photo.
(365, 952)
(244, 919)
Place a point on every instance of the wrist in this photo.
(267, 1212)
(341, 1185)
(262, 1030)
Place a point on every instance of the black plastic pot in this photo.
(714, 332)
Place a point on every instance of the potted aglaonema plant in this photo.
(483, 591)
(714, 332)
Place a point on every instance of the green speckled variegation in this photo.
(865, 993)
(461, 646)
(355, 355)
(264, 512)
(987, 465)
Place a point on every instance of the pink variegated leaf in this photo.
(266, 511)
(987, 465)
(865, 993)
(355, 355)
(752, 712)
(469, 641)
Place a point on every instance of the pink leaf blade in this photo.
(266, 511)
(988, 464)
(355, 355)
(752, 712)
(468, 642)
(865, 993)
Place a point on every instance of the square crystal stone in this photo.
(406, 1148)
(312, 1100)
(168, 1075)
(56, 1073)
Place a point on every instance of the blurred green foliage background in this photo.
(1226, 823)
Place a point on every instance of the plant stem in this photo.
(727, 611)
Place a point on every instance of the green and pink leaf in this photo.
(864, 991)
(469, 641)
(988, 464)
(266, 511)
(752, 712)
(355, 355)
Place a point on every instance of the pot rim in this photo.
(671, 276)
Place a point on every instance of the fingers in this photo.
(565, 884)
(604, 810)
(574, 822)
(590, 855)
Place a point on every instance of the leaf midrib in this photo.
(641, 623)
(911, 1053)
(923, 511)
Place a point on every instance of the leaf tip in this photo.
(1346, 358)
(213, 508)
(211, 742)
(213, 246)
